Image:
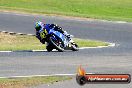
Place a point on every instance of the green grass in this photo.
(89, 43)
(19, 42)
(101, 9)
(25, 42)
(30, 81)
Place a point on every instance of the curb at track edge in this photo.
(13, 33)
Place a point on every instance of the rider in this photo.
(39, 26)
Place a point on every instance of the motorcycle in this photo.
(58, 41)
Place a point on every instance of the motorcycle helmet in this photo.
(38, 25)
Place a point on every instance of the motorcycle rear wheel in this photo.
(75, 47)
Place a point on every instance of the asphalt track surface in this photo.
(116, 59)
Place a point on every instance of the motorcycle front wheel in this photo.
(58, 44)
(49, 48)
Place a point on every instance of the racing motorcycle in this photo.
(58, 41)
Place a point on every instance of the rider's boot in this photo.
(66, 34)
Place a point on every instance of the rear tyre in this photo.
(75, 47)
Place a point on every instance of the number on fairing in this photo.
(43, 34)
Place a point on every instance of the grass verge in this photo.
(101, 9)
(25, 42)
(30, 81)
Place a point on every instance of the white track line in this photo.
(38, 76)
(5, 51)
(111, 45)
(42, 50)
(28, 76)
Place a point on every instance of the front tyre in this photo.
(58, 44)
(49, 48)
